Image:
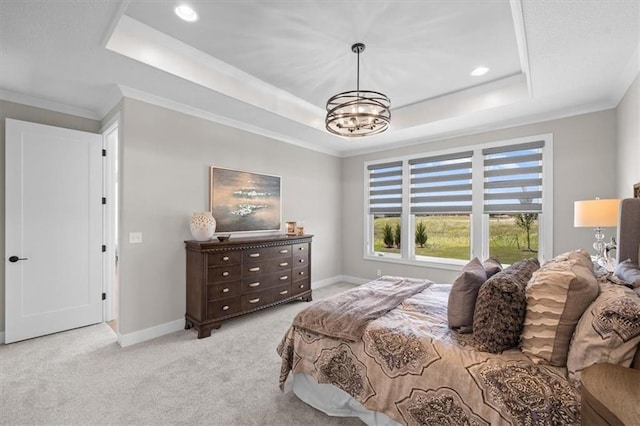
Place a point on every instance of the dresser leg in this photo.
(205, 331)
(307, 298)
(187, 324)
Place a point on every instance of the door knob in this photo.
(14, 259)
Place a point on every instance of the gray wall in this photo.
(165, 158)
(35, 115)
(584, 155)
(628, 126)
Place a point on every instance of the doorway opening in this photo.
(111, 307)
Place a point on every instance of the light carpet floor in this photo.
(84, 377)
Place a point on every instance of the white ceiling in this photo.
(270, 66)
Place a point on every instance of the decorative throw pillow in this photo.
(557, 296)
(628, 272)
(609, 331)
(462, 298)
(500, 307)
(492, 266)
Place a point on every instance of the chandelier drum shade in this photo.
(358, 112)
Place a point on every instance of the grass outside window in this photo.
(449, 237)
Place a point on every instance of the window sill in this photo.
(448, 264)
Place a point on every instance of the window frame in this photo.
(479, 221)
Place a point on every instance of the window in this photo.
(448, 207)
(513, 199)
(385, 207)
(441, 205)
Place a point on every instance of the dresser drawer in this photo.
(300, 248)
(264, 282)
(300, 273)
(281, 292)
(218, 274)
(300, 259)
(224, 258)
(223, 290)
(300, 286)
(252, 301)
(266, 253)
(267, 267)
(223, 307)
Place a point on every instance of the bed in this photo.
(385, 351)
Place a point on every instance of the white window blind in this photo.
(513, 178)
(385, 188)
(441, 184)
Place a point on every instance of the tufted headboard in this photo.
(629, 240)
(629, 230)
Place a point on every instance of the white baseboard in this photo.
(150, 333)
(355, 280)
(338, 279)
(1, 337)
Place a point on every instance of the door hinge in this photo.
(104, 248)
(104, 200)
(104, 296)
(104, 152)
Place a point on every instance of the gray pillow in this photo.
(628, 272)
(500, 307)
(462, 298)
(492, 266)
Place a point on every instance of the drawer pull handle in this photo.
(225, 290)
(254, 284)
(284, 292)
(225, 307)
(300, 248)
(254, 255)
(301, 272)
(256, 300)
(255, 269)
(301, 285)
(284, 251)
(284, 277)
(225, 274)
(301, 260)
(284, 263)
(225, 258)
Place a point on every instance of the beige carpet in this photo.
(83, 377)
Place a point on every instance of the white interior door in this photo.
(53, 223)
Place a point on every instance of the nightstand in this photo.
(610, 395)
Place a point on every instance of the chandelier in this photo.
(358, 112)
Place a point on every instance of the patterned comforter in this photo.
(410, 366)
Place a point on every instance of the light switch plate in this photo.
(135, 237)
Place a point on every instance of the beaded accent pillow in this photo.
(500, 307)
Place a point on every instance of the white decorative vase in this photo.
(202, 226)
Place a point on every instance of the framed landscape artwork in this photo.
(245, 201)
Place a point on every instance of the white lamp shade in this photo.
(596, 213)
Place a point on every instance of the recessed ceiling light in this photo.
(479, 71)
(186, 13)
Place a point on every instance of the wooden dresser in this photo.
(242, 275)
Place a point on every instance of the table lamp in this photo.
(597, 214)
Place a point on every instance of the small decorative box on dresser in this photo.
(242, 275)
